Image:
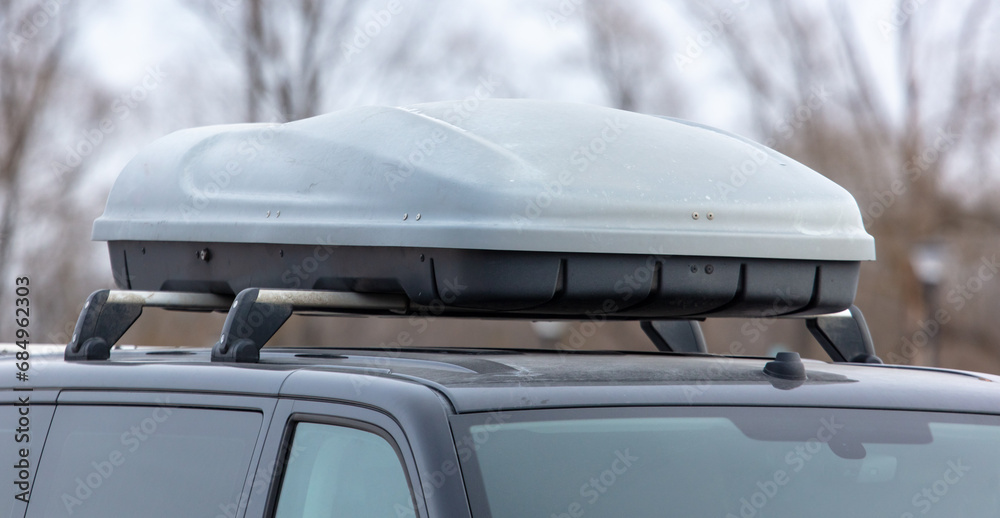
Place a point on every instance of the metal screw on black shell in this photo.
(205, 254)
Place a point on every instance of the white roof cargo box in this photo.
(519, 208)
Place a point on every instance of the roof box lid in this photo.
(511, 175)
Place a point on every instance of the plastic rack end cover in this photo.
(519, 208)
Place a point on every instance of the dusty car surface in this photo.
(520, 210)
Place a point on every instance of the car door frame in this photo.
(289, 412)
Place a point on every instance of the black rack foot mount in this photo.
(256, 314)
(844, 335)
(108, 314)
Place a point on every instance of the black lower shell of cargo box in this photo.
(506, 284)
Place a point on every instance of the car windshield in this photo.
(730, 462)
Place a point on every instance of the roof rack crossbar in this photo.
(844, 336)
(679, 336)
(257, 314)
(108, 314)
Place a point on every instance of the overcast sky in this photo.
(123, 39)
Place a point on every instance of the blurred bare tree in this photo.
(285, 50)
(297, 59)
(294, 55)
(40, 94)
(29, 63)
(912, 144)
(627, 54)
(903, 112)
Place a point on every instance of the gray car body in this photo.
(414, 395)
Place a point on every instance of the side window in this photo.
(102, 461)
(336, 471)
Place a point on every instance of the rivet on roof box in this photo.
(523, 208)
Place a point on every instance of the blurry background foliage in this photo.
(896, 101)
